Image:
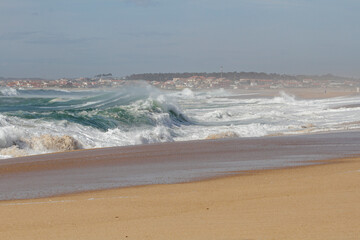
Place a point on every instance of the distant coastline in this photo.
(194, 81)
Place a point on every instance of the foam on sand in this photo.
(13, 151)
(54, 143)
(21, 146)
(222, 135)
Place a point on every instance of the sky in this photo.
(82, 38)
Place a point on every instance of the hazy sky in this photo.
(73, 38)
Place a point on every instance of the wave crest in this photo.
(284, 98)
(9, 136)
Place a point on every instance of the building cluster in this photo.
(194, 82)
(63, 83)
(201, 82)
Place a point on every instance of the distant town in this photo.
(178, 81)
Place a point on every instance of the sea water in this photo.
(43, 121)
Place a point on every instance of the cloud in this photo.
(58, 41)
(13, 36)
(33, 37)
(54, 38)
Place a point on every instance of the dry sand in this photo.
(313, 202)
(318, 93)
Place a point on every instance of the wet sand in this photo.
(309, 202)
(96, 169)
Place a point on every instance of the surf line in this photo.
(60, 201)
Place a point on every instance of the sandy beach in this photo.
(311, 202)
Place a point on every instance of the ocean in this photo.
(43, 121)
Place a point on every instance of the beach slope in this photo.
(309, 202)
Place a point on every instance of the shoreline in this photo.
(304, 202)
(108, 168)
(224, 175)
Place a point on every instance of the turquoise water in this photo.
(41, 121)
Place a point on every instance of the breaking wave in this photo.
(39, 122)
(42, 121)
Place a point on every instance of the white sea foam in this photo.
(9, 136)
(9, 91)
(151, 116)
(158, 134)
(187, 93)
(284, 98)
